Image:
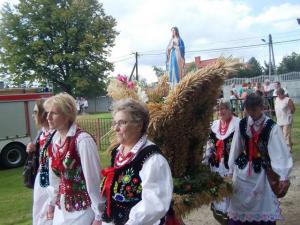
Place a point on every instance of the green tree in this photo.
(251, 69)
(192, 67)
(290, 63)
(266, 69)
(66, 42)
(158, 71)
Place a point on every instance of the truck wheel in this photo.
(13, 156)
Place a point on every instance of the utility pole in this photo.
(270, 63)
(272, 52)
(271, 56)
(135, 68)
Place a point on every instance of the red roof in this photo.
(203, 63)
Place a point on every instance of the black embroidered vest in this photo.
(263, 161)
(126, 188)
(227, 144)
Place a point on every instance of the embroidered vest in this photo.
(263, 159)
(67, 166)
(213, 159)
(44, 153)
(125, 187)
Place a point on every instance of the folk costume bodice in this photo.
(66, 165)
(255, 146)
(220, 149)
(122, 185)
(45, 151)
(219, 142)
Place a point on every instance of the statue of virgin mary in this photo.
(175, 57)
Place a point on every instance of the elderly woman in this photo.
(217, 151)
(42, 211)
(138, 185)
(75, 166)
(284, 109)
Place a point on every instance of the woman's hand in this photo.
(50, 212)
(30, 147)
(284, 185)
(97, 222)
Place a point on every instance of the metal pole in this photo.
(273, 57)
(136, 66)
(270, 63)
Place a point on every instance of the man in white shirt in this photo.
(277, 86)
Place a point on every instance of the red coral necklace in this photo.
(223, 127)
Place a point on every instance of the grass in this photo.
(296, 135)
(94, 116)
(16, 200)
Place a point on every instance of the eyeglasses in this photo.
(120, 123)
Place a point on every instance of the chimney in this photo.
(198, 61)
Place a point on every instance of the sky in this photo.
(206, 27)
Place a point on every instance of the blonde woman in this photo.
(75, 166)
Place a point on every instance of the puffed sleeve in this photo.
(236, 148)
(54, 180)
(52, 189)
(281, 159)
(90, 164)
(157, 186)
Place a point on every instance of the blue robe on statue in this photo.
(175, 60)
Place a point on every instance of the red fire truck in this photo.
(17, 126)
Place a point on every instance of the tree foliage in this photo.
(251, 69)
(290, 63)
(266, 69)
(159, 72)
(192, 67)
(66, 42)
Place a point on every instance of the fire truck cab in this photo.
(17, 127)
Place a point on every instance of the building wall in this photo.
(99, 104)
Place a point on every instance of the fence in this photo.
(97, 127)
(237, 107)
(280, 77)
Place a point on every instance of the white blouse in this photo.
(157, 186)
(90, 163)
(284, 114)
(253, 198)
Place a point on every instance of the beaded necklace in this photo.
(223, 127)
(44, 158)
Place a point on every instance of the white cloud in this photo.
(144, 26)
(281, 16)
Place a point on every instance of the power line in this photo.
(121, 57)
(226, 48)
(162, 52)
(121, 60)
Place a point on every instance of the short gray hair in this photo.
(137, 110)
(224, 103)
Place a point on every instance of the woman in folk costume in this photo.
(257, 146)
(138, 186)
(175, 57)
(43, 208)
(217, 151)
(75, 166)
